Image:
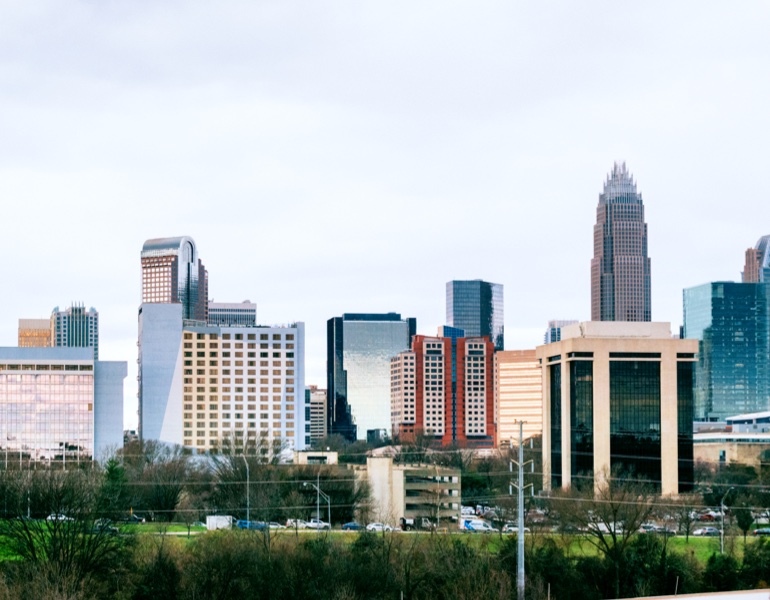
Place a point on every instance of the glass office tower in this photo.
(359, 349)
(620, 268)
(476, 306)
(757, 269)
(76, 327)
(172, 273)
(732, 323)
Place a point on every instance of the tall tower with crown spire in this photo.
(620, 268)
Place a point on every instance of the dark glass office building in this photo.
(618, 398)
(476, 307)
(731, 322)
(620, 268)
(359, 349)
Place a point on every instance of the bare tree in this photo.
(684, 510)
(608, 516)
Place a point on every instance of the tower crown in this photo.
(620, 185)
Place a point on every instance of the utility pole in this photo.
(248, 499)
(520, 526)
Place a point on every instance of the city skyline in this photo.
(318, 154)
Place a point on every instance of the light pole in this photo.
(248, 500)
(722, 514)
(318, 495)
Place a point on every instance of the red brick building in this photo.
(444, 388)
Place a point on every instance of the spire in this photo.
(620, 183)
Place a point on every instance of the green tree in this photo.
(744, 516)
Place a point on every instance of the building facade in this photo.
(317, 400)
(731, 322)
(444, 388)
(476, 307)
(59, 405)
(518, 395)
(618, 395)
(75, 327)
(172, 273)
(553, 331)
(412, 492)
(359, 349)
(35, 333)
(205, 387)
(232, 314)
(757, 268)
(620, 268)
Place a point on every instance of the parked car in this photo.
(134, 518)
(105, 526)
(274, 525)
(296, 524)
(665, 529)
(318, 524)
(352, 526)
(58, 517)
(761, 531)
(706, 531)
(253, 525)
(513, 528)
(378, 527)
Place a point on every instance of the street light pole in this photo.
(318, 494)
(248, 500)
(722, 514)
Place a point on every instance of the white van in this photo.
(477, 525)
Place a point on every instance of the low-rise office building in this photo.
(59, 405)
(412, 492)
(618, 395)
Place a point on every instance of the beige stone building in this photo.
(725, 447)
(618, 394)
(518, 395)
(412, 492)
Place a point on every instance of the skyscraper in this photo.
(208, 385)
(620, 268)
(476, 307)
(75, 327)
(444, 388)
(732, 323)
(553, 331)
(359, 349)
(172, 273)
(757, 269)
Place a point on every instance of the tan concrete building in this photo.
(725, 447)
(312, 457)
(318, 429)
(35, 333)
(518, 395)
(618, 394)
(411, 492)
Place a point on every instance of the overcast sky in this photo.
(332, 157)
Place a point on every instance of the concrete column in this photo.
(566, 425)
(669, 448)
(546, 426)
(601, 415)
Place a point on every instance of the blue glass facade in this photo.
(732, 323)
(359, 349)
(476, 307)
